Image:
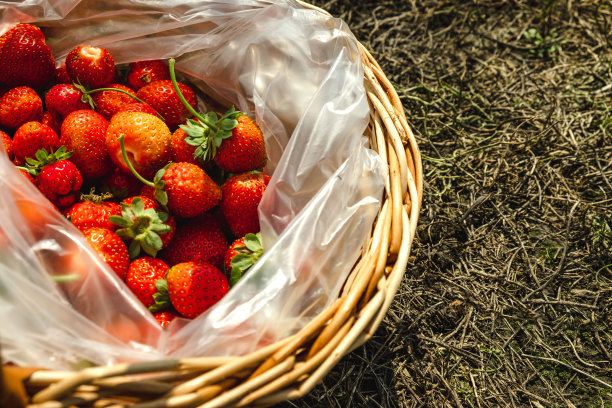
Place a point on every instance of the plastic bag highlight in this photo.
(298, 73)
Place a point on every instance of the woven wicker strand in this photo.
(290, 368)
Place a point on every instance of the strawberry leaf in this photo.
(242, 262)
(161, 297)
(253, 242)
(119, 221)
(235, 276)
(134, 249)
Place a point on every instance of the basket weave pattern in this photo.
(290, 368)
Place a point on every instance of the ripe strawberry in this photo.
(142, 73)
(54, 122)
(63, 99)
(61, 75)
(181, 150)
(241, 195)
(93, 212)
(25, 58)
(90, 66)
(241, 255)
(138, 107)
(84, 133)
(121, 185)
(7, 142)
(146, 140)
(164, 317)
(111, 248)
(142, 275)
(199, 240)
(31, 137)
(244, 150)
(193, 287)
(57, 178)
(143, 227)
(162, 97)
(108, 102)
(18, 106)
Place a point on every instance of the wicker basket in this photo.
(292, 367)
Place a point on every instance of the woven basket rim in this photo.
(290, 368)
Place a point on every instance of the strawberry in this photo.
(142, 275)
(146, 138)
(241, 255)
(18, 106)
(138, 107)
(241, 195)
(244, 150)
(199, 240)
(164, 317)
(7, 142)
(111, 248)
(121, 185)
(143, 226)
(162, 97)
(31, 137)
(61, 75)
(63, 99)
(25, 58)
(56, 177)
(93, 212)
(54, 122)
(108, 102)
(181, 150)
(192, 287)
(141, 73)
(84, 133)
(90, 66)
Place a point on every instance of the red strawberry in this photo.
(31, 137)
(61, 75)
(163, 98)
(8, 145)
(244, 150)
(54, 122)
(241, 255)
(138, 107)
(84, 133)
(142, 275)
(142, 73)
(90, 66)
(143, 226)
(193, 287)
(25, 58)
(181, 150)
(199, 240)
(164, 317)
(93, 212)
(121, 185)
(18, 106)
(241, 195)
(108, 102)
(57, 178)
(147, 191)
(63, 99)
(146, 139)
(111, 248)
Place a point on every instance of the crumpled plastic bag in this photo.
(298, 73)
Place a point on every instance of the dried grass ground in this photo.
(506, 301)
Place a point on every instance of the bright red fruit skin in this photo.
(25, 58)
(190, 190)
(164, 317)
(18, 106)
(138, 107)
(8, 144)
(63, 99)
(241, 195)
(111, 248)
(181, 150)
(142, 73)
(90, 66)
(60, 182)
(194, 287)
(121, 184)
(110, 102)
(87, 214)
(142, 275)
(84, 133)
(243, 151)
(163, 98)
(31, 137)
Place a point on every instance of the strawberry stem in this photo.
(117, 90)
(201, 118)
(129, 163)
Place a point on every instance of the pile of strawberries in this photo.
(166, 195)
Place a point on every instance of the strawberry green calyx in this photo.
(34, 166)
(208, 131)
(161, 297)
(158, 183)
(246, 257)
(141, 227)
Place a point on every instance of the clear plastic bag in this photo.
(298, 73)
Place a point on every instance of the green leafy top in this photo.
(141, 227)
(246, 257)
(34, 166)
